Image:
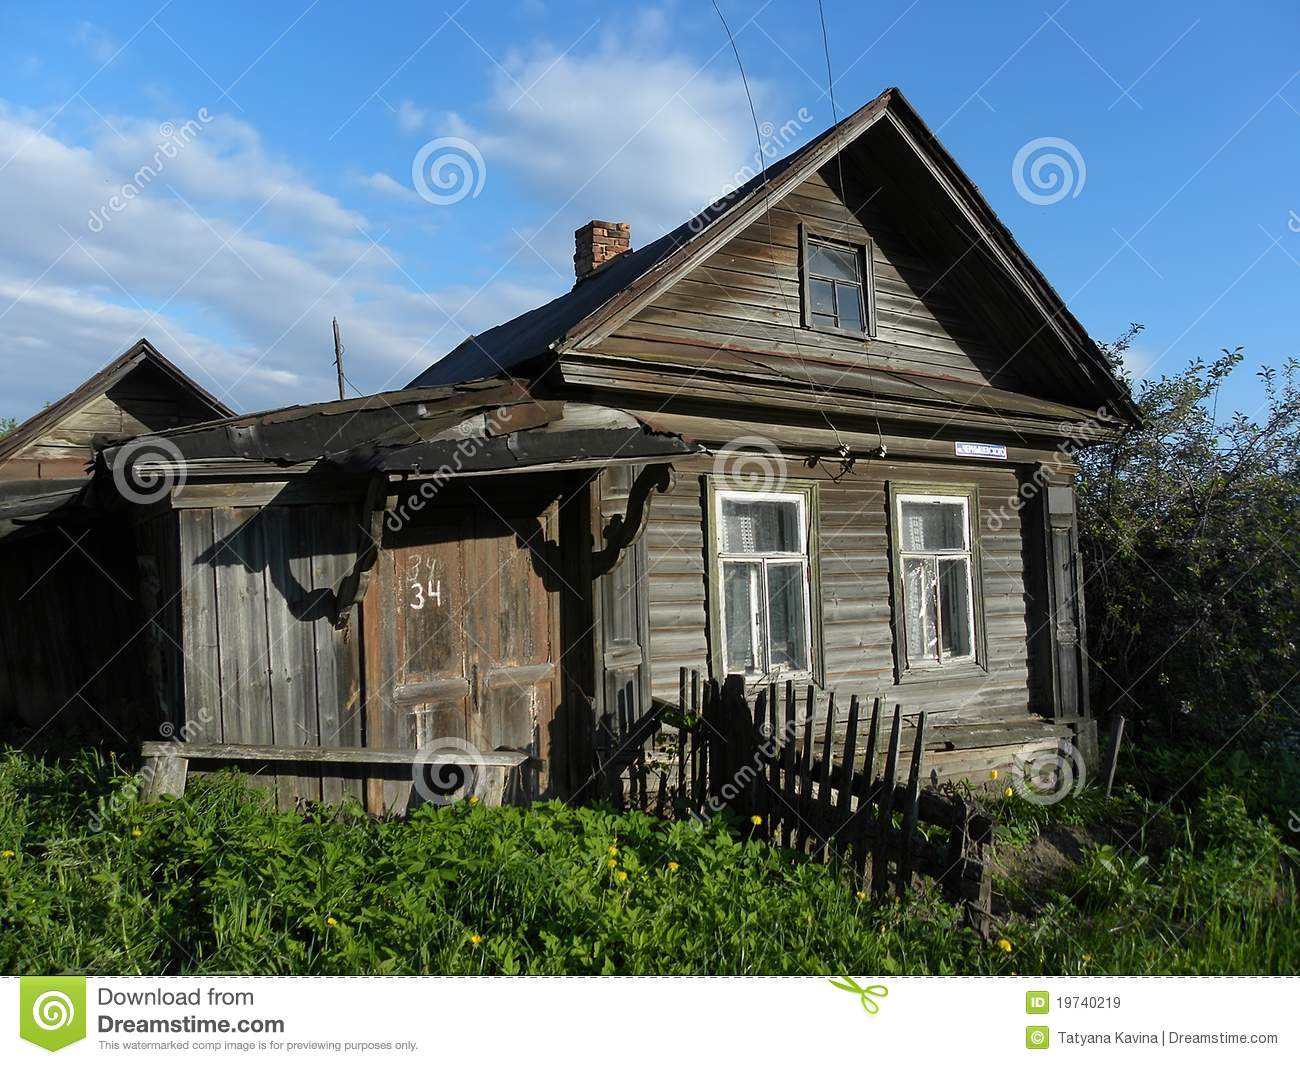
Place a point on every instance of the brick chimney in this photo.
(597, 243)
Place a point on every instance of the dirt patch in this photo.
(1044, 863)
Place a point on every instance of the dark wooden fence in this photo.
(839, 789)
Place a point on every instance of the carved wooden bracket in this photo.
(353, 588)
(624, 530)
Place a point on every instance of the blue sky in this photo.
(279, 140)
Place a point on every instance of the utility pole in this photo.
(338, 357)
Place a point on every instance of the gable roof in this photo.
(580, 318)
(138, 354)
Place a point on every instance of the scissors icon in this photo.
(867, 995)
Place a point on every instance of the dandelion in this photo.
(862, 895)
(756, 820)
(473, 800)
(672, 866)
(136, 833)
(6, 854)
(612, 862)
(1004, 945)
(621, 875)
(993, 775)
(1008, 792)
(1087, 957)
(475, 939)
(331, 921)
(613, 851)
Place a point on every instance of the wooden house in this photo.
(69, 584)
(821, 432)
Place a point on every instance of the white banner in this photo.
(634, 1019)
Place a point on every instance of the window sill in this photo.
(854, 334)
(955, 671)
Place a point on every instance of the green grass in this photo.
(217, 883)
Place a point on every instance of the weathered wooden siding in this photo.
(263, 661)
(856, 590)
(70, 633)
(746, 296)
(146, 401)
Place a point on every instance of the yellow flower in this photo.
(621, 875)
(672, 866)
(6, 854)
(862, 894)
(331, 921)
(613, 850)
(476, 939)
(1004, 945)
(1087, 957)
(136, 833)
(612, 862)
(473, 799)
(1009, 792)
(756, 820)
(993, 775)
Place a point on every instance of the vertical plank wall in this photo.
(263, 661)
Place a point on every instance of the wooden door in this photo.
(465, 617)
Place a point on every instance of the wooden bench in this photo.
(166, 764)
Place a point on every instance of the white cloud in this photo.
(617, 130)
(225, 256)
(410, 118)
(95, 41)
(381, 183)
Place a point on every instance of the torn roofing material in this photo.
(486, 425)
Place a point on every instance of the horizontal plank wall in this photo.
(264, 663)
(747, 295)
(856, 589)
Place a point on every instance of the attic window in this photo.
(837, 289)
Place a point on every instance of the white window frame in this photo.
(765, 559)
(967, 552)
